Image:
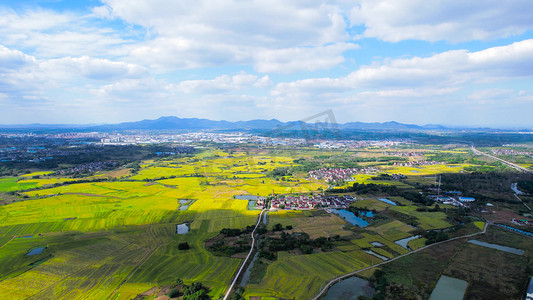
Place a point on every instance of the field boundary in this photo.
(335, 280)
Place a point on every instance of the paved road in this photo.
(230, 289)
(517, 167)
(329, 284)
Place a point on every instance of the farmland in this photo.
(112, 234)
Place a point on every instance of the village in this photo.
(305, 202)
(335, 174)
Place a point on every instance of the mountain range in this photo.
(176, 123)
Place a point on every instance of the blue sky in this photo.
(462, 63)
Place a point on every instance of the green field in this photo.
(114, 236)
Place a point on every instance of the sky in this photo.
(449, 62)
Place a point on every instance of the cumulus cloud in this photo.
(223, 84)
(451, 20)
(13, 59)
(54, 34)
(94, 68)
(279, 36)
(443, 70)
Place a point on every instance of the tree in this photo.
(277, 227)
(183, 246)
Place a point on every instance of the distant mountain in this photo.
(175, 123)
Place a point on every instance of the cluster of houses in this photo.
(304, 202)
(89, 167)
(416, 163)
(511, 152)
(335, 174)
(452, 198)
(403, 154)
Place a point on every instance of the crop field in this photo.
(417, 243)
(394, 230)
(9, 184)
(113, 235)
(426, 220)
(302, 276)
(426, 170)
(316, 223)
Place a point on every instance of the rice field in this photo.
(116, 238)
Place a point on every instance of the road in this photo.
(512, 165)
(329, 284)
(230, 289)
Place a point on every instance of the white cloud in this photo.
(94, 68)
(51, 34)
(276, 36)
(223, 84)
(13, 59)
(451, 20)
(289, 60)
(449, 69)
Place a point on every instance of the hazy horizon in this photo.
(451, 63)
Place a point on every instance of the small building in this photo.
(467, 199)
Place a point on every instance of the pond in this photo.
(246, 197)
(387, 201)
(404, 242)
(35, 251)
(25, 237)
(185, 203)
(182, 228)
(498, 247)
(350, 217)
(449, 288)
(350, 289)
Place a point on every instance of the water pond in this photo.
(246, 197)
(498, 247)
(350, 217)
(350, 289)
(449, 288)
(182, 228)
(185, 203)
(35, 251)
(387, 201)
(405, 241)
